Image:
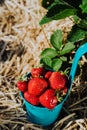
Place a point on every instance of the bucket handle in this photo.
(80, 51)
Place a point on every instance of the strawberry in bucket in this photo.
(43, 94)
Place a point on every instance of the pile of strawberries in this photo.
(44, 88)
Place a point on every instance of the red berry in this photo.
(57, 81)
(64, 91)
(34, 100)
(48, 99)
(22, 86)
(36, 86)
(37, 72)
(48, 74)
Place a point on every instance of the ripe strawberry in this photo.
(36, 86)
(64, 91)
(57, 81)
(37, 72)
(34, 100)
(48, 74)
(48, 99)
(22, 86)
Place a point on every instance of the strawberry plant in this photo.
(55, 57)
(60, 9)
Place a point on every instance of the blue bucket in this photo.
(44, 116)
(40, 115)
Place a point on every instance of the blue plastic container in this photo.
(44, 116)
(40, 115)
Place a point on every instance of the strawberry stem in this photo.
(24, 78)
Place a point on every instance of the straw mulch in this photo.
(21, 41)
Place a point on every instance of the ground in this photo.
(21, 41)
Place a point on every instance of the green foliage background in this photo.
(56, 57)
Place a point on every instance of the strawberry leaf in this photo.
(56, 64)
(60, 99)
(83, 24)
(58, 10)
(63, 58)
(56, 39)
(77, 34)
(83, 6)
(49, 52)
(76, 19)
(47, 61)
(67, 48)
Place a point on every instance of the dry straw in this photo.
(21, 41)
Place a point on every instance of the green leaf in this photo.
(63, 58)
(45, 20)
(49, 52)
(47, 61)
(67, 48)
(63, 14)
(58, 11)
(76, 34)
(56, 64)
(83, 24)
(83, 6)
(74, 3)
(76, 19)
(56, 39)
